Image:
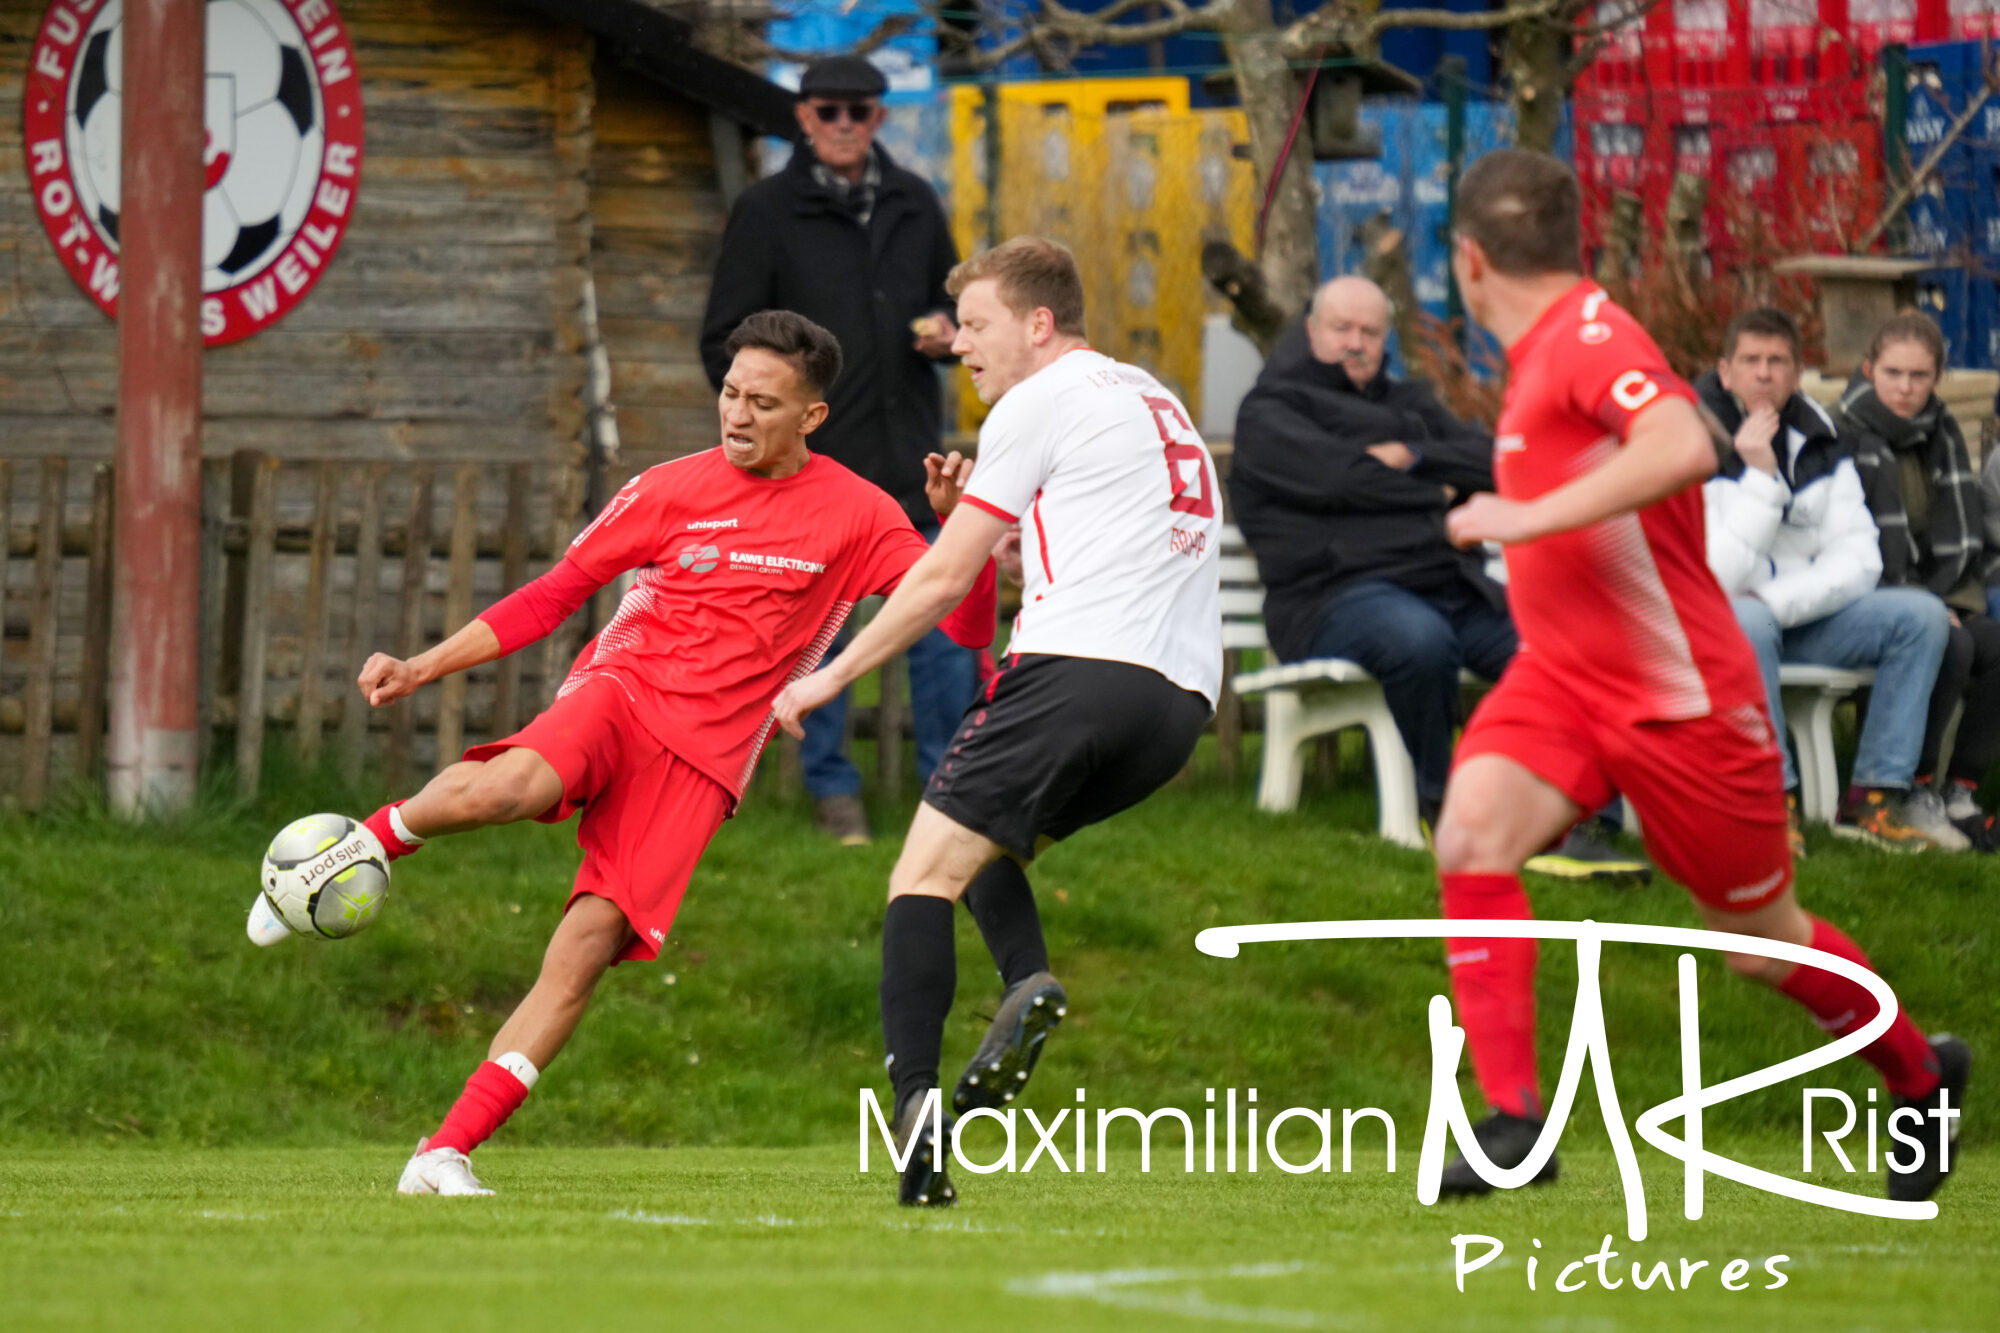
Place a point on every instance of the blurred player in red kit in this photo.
(1632, 675)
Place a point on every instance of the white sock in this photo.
(403, 831)
(521, 1067)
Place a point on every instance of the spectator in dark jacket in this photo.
(1341, 477)
(860, 246)
(1925, 497)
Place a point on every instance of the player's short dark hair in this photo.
(1521, 207)
(810, 349)
(1909, 327)
(1032, 273)
(1762, 322)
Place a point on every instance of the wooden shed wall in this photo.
(657, 218)
(451, 327)
(444, 328)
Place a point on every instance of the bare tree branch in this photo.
(1627, 15)
(1899, 200)
(1336, 25)
(881, 35)
(1056, 30)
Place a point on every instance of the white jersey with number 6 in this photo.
(1120, 518)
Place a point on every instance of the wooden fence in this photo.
(307, 567)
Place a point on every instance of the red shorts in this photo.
(648, 815)
(1709, 791)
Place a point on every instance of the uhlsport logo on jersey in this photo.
(282, 115)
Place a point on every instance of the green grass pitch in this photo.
(197, 1134)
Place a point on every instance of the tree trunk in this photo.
(1538, 68)
(1270, 92)
(1386, 263)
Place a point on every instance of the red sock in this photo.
(491, 1095)
(379, 825)
(1839, 1005)
(1493, 989)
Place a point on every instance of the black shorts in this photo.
(1057, 743)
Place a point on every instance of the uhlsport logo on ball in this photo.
(325, 876)
(282, 153)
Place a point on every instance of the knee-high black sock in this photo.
(919, 975)
(1004, 906)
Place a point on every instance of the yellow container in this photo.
(1133, 181)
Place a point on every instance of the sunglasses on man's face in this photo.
(829, 113)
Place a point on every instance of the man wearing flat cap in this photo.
(860, 246)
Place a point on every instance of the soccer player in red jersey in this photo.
(749, 558)
(1632, 675)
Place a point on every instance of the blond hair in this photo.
(1030, 273)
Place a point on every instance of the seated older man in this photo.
(1341, 478)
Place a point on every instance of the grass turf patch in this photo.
(131, 1006)
(133, 1013)
(169, 1239)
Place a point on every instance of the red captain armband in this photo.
(536, 607)
(974, 621)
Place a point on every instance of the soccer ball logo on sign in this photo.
(282, 151)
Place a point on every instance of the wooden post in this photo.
(889, 725)
(791, 777)
(96, 629)
(1229, 718)
(458, 608)
(6, 536)
(215, 566)
(41, 697)
(354, 709)
(260, 554)
(560, 648)
(410, 622)
(312, 647)
(156, 612)
(513, 573)
(604, 603)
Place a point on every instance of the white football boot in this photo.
(439, 1171)
(266, 927)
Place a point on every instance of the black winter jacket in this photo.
(1320, 513)
(788, 246)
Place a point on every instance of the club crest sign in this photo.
(282, 98)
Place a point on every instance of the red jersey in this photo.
(1625, 610)
(743, 582)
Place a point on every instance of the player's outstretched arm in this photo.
(936, 583)
(513, 622)
(385, 679)
(1667, 449)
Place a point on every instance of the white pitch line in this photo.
(657, 1219)
(1123, 1287)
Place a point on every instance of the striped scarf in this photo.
(1945, 556)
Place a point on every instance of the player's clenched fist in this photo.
(800, 697)
(385, 679)
(1488, 518)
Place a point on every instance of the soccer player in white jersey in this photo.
(1112, 671)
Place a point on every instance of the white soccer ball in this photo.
(326, 876)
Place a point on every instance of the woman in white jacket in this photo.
(1790, 539)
